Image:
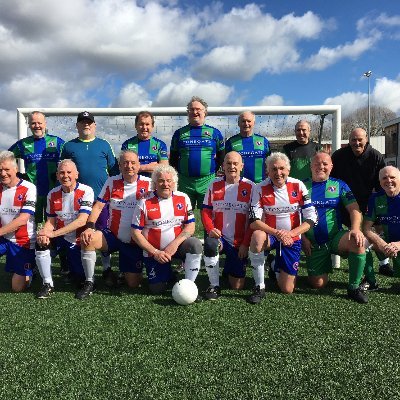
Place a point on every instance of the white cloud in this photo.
(161, 78)
(387, 93)
(329, 56)
(272, 100)
(372, 21)
(245, 42)
(178, 94)
(132, 95)
(8, 128)
(37, 90)
(350, 101)
(97, 36)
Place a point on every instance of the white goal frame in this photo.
(334, 110)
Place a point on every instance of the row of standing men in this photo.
(196, 151)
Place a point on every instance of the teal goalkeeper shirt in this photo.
(94, 159)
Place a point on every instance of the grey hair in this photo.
(6, 155)
(200, 100)
(34, 113)
(302, 121)
(388, 167)
(164, 169)
(275, 157)
(246, 111)
(66, 161)
(127, 151)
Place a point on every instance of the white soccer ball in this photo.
(185, 292)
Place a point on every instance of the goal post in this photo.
(217, 116)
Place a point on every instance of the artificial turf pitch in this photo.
(123, 344)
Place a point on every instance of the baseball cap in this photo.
(85, 115)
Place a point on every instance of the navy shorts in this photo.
(19, 260)
(234, 266)
(73, 255)
(157, 272)
(287, 257)
(130, 255)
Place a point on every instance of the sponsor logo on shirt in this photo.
(244, 192)
(294, 193)
(332, 189)
(230, 205)
(179, 206)
(52, 144)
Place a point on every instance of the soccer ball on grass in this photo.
(185, 292)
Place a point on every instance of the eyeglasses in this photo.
(192, 110)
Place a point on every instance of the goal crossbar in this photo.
(334, 110)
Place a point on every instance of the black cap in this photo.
(85, 115)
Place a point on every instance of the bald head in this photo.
(233, 166)
(358, 141)
(389, 178)
(67, 175)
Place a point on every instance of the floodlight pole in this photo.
(368, 75)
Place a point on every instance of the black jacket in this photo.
(360, 173)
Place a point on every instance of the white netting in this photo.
(116, 129)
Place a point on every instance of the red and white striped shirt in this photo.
(162, 220)
(282, 208)
(13, 201)
(65, 207)
(122, 197)
(226, 207)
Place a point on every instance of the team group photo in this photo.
(296, 204)
(199, 200)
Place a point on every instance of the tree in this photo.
(359, 119)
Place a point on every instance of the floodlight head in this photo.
(368, 74)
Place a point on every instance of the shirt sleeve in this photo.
(138, 217)
(87, 201)
(162, 151)
(30, 200)
(256, 210)
(308, 209)
(105, 193)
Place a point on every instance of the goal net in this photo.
(116, 124)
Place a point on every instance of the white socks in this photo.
(43, 261)
(257, 261)
(192, 266)
(212, 267)
(88, 261)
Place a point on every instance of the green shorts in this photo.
(320, 261)
(40, 209)
(195, 188)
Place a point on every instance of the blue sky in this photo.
(120, 53)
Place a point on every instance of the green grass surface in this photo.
(122, 344)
